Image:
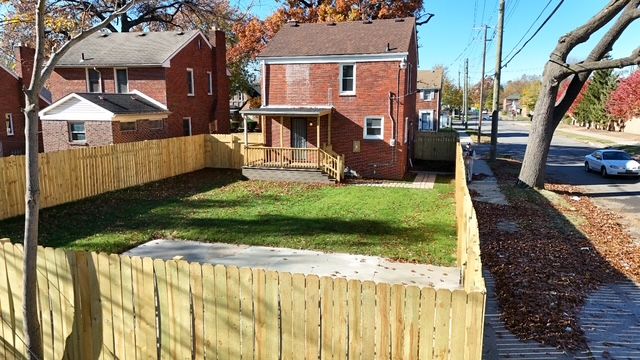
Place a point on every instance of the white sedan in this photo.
(611, 162)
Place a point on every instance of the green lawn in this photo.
(216, 206)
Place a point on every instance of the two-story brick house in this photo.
(345, 87)
(429, 100)
(122, 87)
(12, 139)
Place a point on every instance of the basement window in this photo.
(77, 132)
(348, 79)
(373, 128)
(9, 123)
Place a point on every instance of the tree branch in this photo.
(589, 66)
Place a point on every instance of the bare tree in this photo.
(42, 69)
(548, 111)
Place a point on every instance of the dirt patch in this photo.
(545, 270)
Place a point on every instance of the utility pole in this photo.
(465, 101)
(496, 85)
(484, 60)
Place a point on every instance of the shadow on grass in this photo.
(545, 269)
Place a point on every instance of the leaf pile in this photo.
(544, 270)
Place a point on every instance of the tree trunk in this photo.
(533, 171)
(33, 332)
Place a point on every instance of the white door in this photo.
(426, 121)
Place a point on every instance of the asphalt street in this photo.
(566, 165)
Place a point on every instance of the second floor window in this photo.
(210, 82)
(190, 83)
(93, 81)
(348, 79)
(9, 123)
(428, 95)
(122, 81)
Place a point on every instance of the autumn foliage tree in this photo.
(624, 102)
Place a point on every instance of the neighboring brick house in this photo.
(12, 140)
(120, 87)
(429, 101)
(511, 105)
(350, 87)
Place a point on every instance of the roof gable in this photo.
(389, 36)
(129, 49)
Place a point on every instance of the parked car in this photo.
(611, 162)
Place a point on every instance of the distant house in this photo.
(429, 101)
(512, 104)
(122, 87)
(12, 139)
(239, 101)
(345, 89)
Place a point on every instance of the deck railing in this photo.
(296, 158)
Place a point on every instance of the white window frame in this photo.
(115, 80)
(192, 90)
(431, 93)
(69, 123)
(9, 120)
(190, 125)
(161, 122)
(135, 126)
(432, 112)
(350, 92)
(373, 137)
(99, 81)
(210, 77)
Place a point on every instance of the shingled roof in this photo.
(345, 38)
(121, 104)
(127, 49)
(430, 79)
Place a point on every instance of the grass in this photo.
(216, 206)
(586, 138)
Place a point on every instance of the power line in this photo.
(529, 29)
(535, 33)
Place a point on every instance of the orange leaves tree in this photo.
(624, 102)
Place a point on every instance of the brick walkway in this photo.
(424, 180)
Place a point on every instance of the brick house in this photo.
(12, 140)
(511, 104)
(121, 87)
(346, 89)
(429, 100)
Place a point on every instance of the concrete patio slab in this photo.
(424, 180)
(307, 262)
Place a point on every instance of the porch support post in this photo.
(246, 132)
(281, 130)
(263, 124)
(329, 129)
(318, 138)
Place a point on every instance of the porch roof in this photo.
(289, 111)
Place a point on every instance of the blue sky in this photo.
(454, 33)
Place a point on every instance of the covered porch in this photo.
(295, 138)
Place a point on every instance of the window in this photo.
(94, 83)
(186, 126)
(348, 79)
(122, 81)
(156, 124)
(190, 83)
(428, 95)
(373, 128)
(128, 126)
(9, 123)
(210, 82)
(77, 132)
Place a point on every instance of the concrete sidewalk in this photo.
(307, 262)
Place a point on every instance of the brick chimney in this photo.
(24, 63)
(222, 114)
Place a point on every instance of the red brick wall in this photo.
(143, 132)
(12, 102)
(56, 135)
(318, 84)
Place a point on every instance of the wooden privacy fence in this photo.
(227, 151)
(98, 306)
(72, 175)
(435, 146)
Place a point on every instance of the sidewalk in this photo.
(607, 136)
